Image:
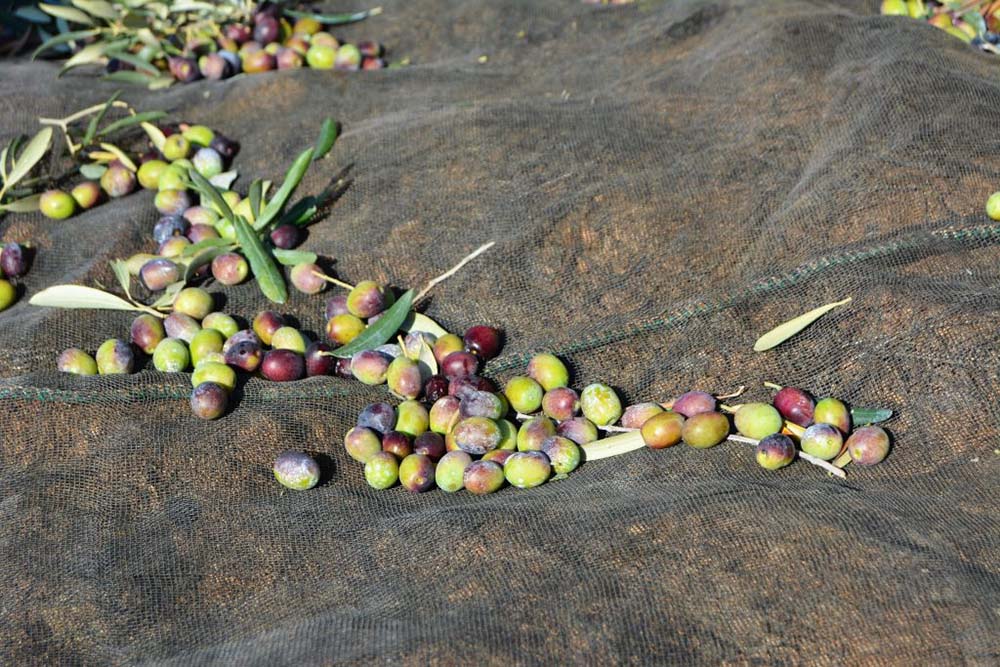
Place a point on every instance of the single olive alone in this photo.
(663, 430)
(822, 441)
(549, 371)
(600, 404)
(526, 470)
(534, 432)
(868, 445)
(416, 473)
(114, 357)
(412, 418)
(398, 443)
(795, 405)
(564, 455)
(705, 429)
(382, 471)
(56, 204)
(194, 301)
(449, 475)
(296, 470)
(362, 443)
(833, 411)
(76, 361)
(775, 451)
(209, 401)
(213, 371)
(483, 477)
(524, 394)
(693, 402)
(637, 415)
(171, 356)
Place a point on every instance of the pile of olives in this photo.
(13, 264)
(186, 146)
(270, 43)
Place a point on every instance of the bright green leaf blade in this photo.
(32, 15)
(256, 194)
(420, 322)
(121, 155)
(269, 278)
(30, 156)
(207, 189)
(98, 8)
(300, 214)
(25, 205)
(294, 257)
(63, 38)
(169, 294)
(292, 179)
(89, 55)
(92, 171)
(91, 132)
(122, 274)
(68, 13)
(327, 136)
(129, 77)
(786, 330)
(862, 416)
(133, 60)
(78, 296)
(334, 19)
(384, 328)
(129, 121)
(195, 248)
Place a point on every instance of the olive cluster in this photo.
(164, 170)
(271, 42)
(821, 428)
(13, 264)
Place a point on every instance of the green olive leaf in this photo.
(334, 19)
(122, 274)
(68, 13)
(129, 121)
(120, 154)
(169, 294)
(98, 8)
(194, 262)
(294, 257)
(865, 416)
(419, 322)
(134, 61)
(212, 193)
(269, 278)
(327, 136)
(91, 132)
(381, 330)
(255, 195)
(292, 178)
(63, 38)
(24, 205)
(79, 296)
(92, 171)
(129, 77)
(30, 156)
(90, 54)
(195, 248)
(786, 330)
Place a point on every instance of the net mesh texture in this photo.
(664, 182)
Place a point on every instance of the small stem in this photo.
(825, 465)
(613, 446)
(734, 394)
(731, 409)
(452, 271)
(338, 283)
(771, 385)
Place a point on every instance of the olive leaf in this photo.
(327, 136)
(79, 296)
(68, 13)
(255, 194)
(381, 330)
(419, 322)
(334, 19)
(225, 179)
(292, 179)
(129, 121)
(195, 248)
(206, 255)
(269, 278)
(865, 416)
(24, 205)
(123, 276)
(135, 61)
(92, 171)
(64, 38)
(786, 330)
(208, 190)
(169, 294)
(91, 131)
(294, 257)
(98, 8)
(120, 154)
(155, 135)
(33, 152)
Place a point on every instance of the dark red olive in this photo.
(283, 366)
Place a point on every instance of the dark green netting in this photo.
(665, 181)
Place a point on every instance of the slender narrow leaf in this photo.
(92, 171)
(30, 156)
(78, 296)
(294, 257)
(255, 195)
(327, 136)
(382, 330)
(120, 154)
(334, 19)
(91, 132)
(63, 39)
(3, 159)
(98, 8)
(68, 13)
(786, 330)
(269, 278)
(122, 274)
(862, 416)
(129, 77)
(169, 294)
(155, 135)
(427, 360)
(129, 121)
(89, 55)
(161, 82)
(300, 214)
(133, 60)
(32, 15)
(195, 248)
(420, 322)
(25, 205)
(292, 179)
(210, 191)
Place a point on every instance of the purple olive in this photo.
(283, 366)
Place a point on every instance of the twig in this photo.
(738, 392)
(771, 385)
(452, 271)
(338, 283)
